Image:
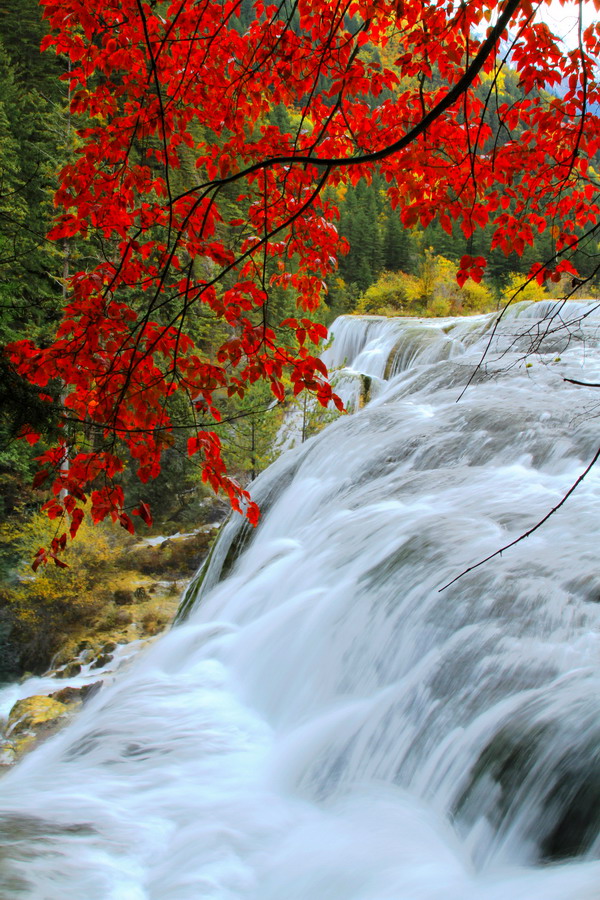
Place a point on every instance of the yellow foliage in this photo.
(497, 76)
(519, 288)
(433, 292)
(46, 605)
(439, 307)
(476, 298)
(388, 296)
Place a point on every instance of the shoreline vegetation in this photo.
(74, 632)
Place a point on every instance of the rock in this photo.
(70, 695)
(69, 671)
(140, 593)
(64, 656)
(8, 755)
(109, 647)
(33, 712)
(83, 645)
(90, 690)
(67, 695)
(101, 661)
(30, 722)
(123, 597)
(29, 740)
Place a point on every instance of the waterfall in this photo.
(326, 724)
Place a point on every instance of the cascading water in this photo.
(327, 725)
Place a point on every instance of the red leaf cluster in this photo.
(152, 84)
(471, 267)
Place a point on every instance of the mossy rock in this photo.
(101, 661)
(70, 670)
(32, 712)
(30, 722)
(74, 695)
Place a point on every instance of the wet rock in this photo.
(109, 647)
(30, 722)
(69, 671)
(101, 661)
(33, 712)
(66, 695)
(8, 755)
(90, 690)
(71, 695)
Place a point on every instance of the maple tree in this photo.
(401, 86)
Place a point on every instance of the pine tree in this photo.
(396, 245)
(359, 224)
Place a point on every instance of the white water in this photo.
(328, 726)
(43, 685)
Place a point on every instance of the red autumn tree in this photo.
(402, 85)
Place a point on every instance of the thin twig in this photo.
(526, 534)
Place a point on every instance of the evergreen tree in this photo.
(359, 224)
(37, 147)
(23, 28)
(396, 245)
(280, 117)
(30, 154)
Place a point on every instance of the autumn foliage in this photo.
(401, 85)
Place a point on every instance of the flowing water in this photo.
(325, 724)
